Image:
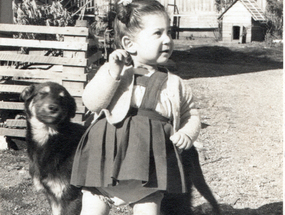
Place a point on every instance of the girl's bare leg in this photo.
(93, 204)
(149, 205)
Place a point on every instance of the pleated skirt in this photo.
(129, 160)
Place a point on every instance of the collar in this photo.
(143, 71)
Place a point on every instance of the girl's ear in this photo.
(128, 45)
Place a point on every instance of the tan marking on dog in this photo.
(61, 94)
(45, 89)
(55, 208)
(40, 130)
(37, 184)
(56, 186)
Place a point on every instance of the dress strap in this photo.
(153, 89)
(141, 80)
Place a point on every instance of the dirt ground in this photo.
(238, 89)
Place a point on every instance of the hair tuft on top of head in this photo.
(123, 13)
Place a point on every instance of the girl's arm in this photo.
(190, 123)
(101, 89)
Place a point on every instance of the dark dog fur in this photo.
(52, 141)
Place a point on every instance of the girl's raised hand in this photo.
(181, 141)
(116, 62)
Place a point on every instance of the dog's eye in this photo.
(43, 93)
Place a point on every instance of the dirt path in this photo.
(243, 139)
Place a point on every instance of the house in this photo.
(242, 22)
(196, 18)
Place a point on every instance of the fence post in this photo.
(76, 87)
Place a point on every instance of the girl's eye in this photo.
(169, 32)
(158, 33)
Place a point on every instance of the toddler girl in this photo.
(144, 116)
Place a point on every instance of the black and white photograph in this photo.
(141, 107)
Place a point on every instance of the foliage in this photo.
(223, 4)
(274, 15)
(30, 13)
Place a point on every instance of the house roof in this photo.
(252, 7)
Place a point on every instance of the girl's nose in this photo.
(167, 39)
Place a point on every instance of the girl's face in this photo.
(153, 43)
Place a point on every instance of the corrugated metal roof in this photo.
(252, 7)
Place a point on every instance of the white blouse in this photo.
(163, 104)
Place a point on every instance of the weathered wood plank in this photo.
(80, 109)
(76, 31)
(13, 132)
(12, 105)
(43, 59)
(76, 39)
(20, 106)
(7, 88)
(73, 70)
(42, 74)
(16, 123)
(75, 54)
(22, 123)
(77, 118)
(43, 44)
(74, 88)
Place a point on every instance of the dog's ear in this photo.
(27, 93)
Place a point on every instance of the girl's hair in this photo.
(129, 18)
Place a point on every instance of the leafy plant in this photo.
(28, 12)
(274, 15)
(223, 4)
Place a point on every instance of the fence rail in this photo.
(38, 64)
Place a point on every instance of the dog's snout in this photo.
(53, 108)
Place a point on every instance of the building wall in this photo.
(237, 15)
(185, 6)
(194, 13)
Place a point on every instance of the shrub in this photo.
(28, 12)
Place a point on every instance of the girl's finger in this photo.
(180, 142)
(175, 138)
(114, 56)
(121, 54)
(189, 145)
(182, 145)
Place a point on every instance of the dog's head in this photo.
(49, 102)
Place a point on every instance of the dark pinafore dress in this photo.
(134, 158)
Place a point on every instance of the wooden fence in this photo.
(18, 70)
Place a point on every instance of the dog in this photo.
(52, 140)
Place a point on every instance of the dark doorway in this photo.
(236, 32)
